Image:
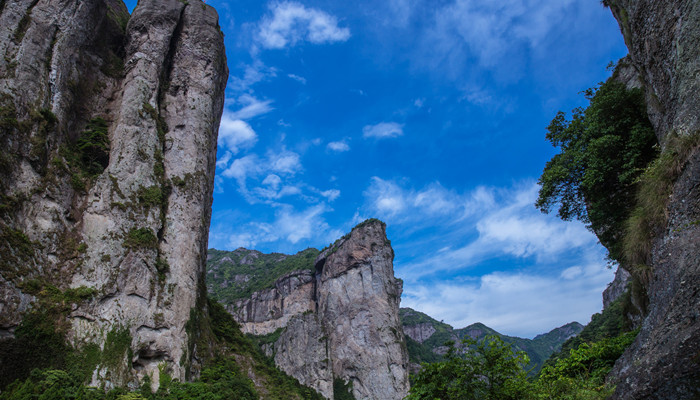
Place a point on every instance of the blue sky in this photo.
(427, 114)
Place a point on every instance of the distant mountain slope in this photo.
(426, 337)
(233, 275)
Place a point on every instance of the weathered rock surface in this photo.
(271, 309)
(340, 322)
(664, 43)
(419, 332)
(136, 231)
(617, 287)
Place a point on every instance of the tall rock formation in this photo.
(338, 325)
(107, 158)
(663, 38)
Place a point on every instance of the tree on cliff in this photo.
(604, 150)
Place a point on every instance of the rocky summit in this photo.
(107, 157)
(333, 324)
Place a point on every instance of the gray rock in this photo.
(663, 38)
(617, 287)
(340, 322)
(159, 84)
(419, 332)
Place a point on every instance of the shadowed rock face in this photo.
(341, 322)
(664, 42)
(137, 231)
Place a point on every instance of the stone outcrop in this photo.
(271, 309)
(125, 218)
(419, 332)
(340, 322)
(617, 287)
(663, 38)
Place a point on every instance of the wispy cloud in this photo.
(298, 78)
(383, 130)
(291, 23)
(340, 146)
(252, 107)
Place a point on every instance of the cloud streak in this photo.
(383, 130)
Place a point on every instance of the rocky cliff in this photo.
(336, 326)
(107, 154)
(663, 38)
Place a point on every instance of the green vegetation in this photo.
(612, 322)
(582, 374)
(88, 156)
(648, 215)
(342, 390)
(538, 349)
(60, 372)
(604, 150)
(490, 370)
(151, 196)
(237, 274)
(141, 238)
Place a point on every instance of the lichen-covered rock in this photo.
(129, 220)
(663, 38)
(341, 322)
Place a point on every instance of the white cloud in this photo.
(516, 303)
(331, 194)
(475, 227)
(383, 130)
(252, 107)
(291, 23)
(339, 147)
(298, 78)
(235, 134)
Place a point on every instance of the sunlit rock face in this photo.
(341, 322)
(135, 231)
(664, 42)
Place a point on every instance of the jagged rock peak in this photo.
(337, 321)
(108, 159)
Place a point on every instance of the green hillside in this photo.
(538, 349)
(237, 274)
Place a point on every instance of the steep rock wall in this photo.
(134, 231)
(339, 323)
(664, 43)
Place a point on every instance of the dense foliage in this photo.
(489, 370)
(492, 370)
(233, 275)
(604, 150)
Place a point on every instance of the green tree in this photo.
(488, 370)
(604, 150)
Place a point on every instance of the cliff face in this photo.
(108, 138)
(339, 323)
(664, 43)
